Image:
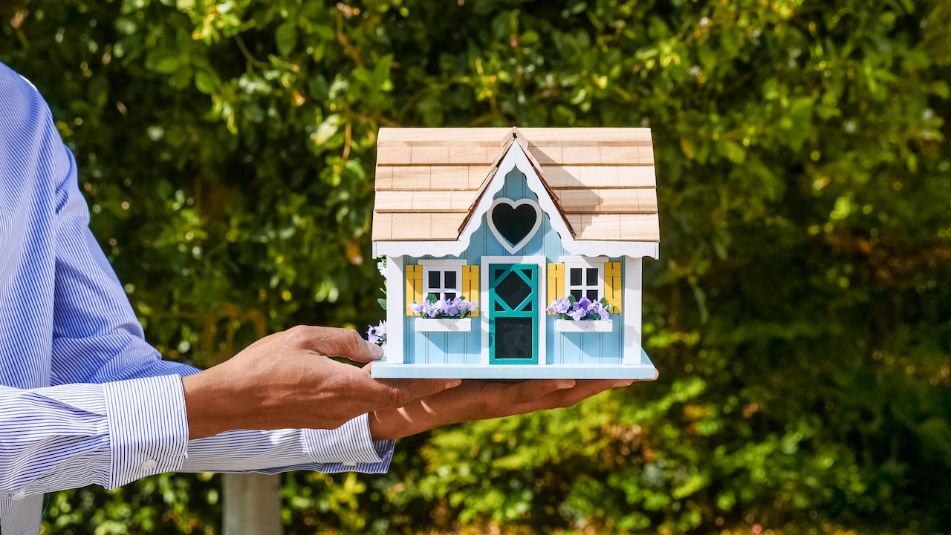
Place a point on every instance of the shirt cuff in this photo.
(351, 446)
(148, 427)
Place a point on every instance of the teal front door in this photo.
(513, 314)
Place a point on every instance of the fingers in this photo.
(586, 389)
(399, 392)
(528, 391)
(582, 390)
(336, 342)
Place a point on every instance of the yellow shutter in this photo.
(612, 286)
(470, 285)
(414, 286)
(556, 282)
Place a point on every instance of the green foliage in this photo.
(800, 314)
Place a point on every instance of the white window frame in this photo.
(442, 265)
(583, 263)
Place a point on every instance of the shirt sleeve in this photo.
(74, 435)
(116, 411)
(348, 448)
(110, 434)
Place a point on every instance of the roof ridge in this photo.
(541, 177)
(506, 143)
(515, 136)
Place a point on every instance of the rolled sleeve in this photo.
(148, 427)
(350, 447)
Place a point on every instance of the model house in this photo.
(514, 253)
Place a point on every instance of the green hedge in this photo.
(800, 313)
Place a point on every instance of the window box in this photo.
(584, 326)
(443, 325)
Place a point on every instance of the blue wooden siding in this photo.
(561, 348)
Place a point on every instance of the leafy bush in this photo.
(800, 314)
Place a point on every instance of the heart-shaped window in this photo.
(514, 223)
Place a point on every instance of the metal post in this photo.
(252, 504)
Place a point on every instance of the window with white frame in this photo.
(442, 279)
(584, 277)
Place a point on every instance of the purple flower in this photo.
(584, 309)
(454, 308)
(376, 334)
(560, 306)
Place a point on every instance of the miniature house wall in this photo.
(512, 220)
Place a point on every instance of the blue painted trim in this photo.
(517, 312)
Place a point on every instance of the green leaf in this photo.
(125, 26)
(733, 151)
(286, 37)
(207, 81)
(164, 61)
(326, 129)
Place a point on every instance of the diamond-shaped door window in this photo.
(513, 290)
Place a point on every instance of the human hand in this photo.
(288, 380)
(482, 400)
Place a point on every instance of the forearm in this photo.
(220, 424)
(222, 440)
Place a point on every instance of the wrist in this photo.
(205, 406)
(389, 424)
(394, 424)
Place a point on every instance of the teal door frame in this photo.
(529, 274)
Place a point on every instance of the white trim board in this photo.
(632, 310)
(644, 371)
(516, 158)
(395, 310)
(442, 262)
(590, 261)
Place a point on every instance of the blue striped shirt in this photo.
(83, 398)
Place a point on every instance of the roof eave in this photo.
(440, 248)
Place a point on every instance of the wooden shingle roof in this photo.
(428, 179)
